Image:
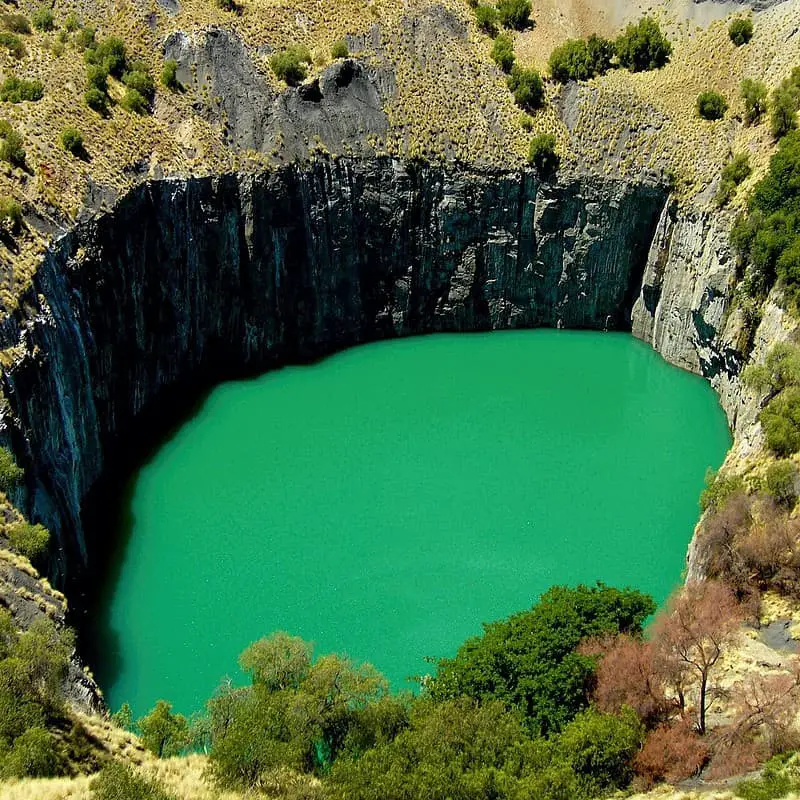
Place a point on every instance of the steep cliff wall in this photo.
(244, 272)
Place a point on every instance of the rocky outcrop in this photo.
(219, 276)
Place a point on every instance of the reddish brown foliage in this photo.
(628, 675)
(734, 758)
(693, 634)
(671, 753)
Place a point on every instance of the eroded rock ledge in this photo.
(240, 273)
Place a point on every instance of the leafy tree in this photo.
(486, 19)
(290, 65)
(527, 86)
(754, 95)
(741, 30)
(12, 43)
(34, 754)
(17, 90)
(643, 46)
(16, 23)
(10, 473)
(711, 105)
(514, 13)
(163, 733)
(698, 625)
(43, 19)
(29, 540)
(123, 718)
(118, 781)
(503, 52)
(71, 140)
(140, 80)
(279, 661)
(109, 54)
(339, 49)
(169, 75)
(579, 60)
(780, 420)
(530, 661)
(542, 154)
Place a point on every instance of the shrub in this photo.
(117, 781)
(85, 38)
(711, 105)
(780, 420)
(169, 75)
(10, 216)
(71, 140)
(18, 90)
(503, 52)
(163, 733)
(290, 65)
(97, 77)
(43, 19)
(579, 60)
(643, 46)
(733, 174)
(140, 81)
(109, 54)
(12, 148)
(10, 473)
(783, 112)
(29, 540)
(71, 22)
(754, 96)
(16, 23)
(135, 102)
(671, 753)
(12, 43)
(486, 19)
(514, 13)
(542, 154)
(527, 86)
(33, 755)
(339, 49)
(741, 31)
(718, 489)
(96, 100)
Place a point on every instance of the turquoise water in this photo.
(386, 501)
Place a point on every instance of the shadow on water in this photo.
(108, 525)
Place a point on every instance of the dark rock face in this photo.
(240, 273)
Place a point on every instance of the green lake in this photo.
(387, 500)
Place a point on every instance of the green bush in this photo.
(290, 65)
(34, 754)
(16, 23)
(579, 60)
(733, 174)
(514, 13)
(96, 100)
(542, 154)
(339, 49)
(140, 81)
(754, 96)
(527, 86)
(163, 733)
(43, 19)
(118, 781)
(718, 489)
(71, 22)
(780, 481)
(109, 54)
(71, 139)
(486, 19)
(10, 473)
(18, 90)
(783, 111)
(135, 102)
(169, 75)
(29, 540)
(12, 43)
(643, 46)
(780, 420)
(12, 148)
(11, 217)
(550, 682)
(503, 52)
(85, 38)
(123, 718)
(97, 77)
(711, 105)
(741, 31)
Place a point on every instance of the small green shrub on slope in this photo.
(733, 174)
(43, 19)
(741, 30)
(527, 86)
(579, 60)
(503, 52)
(119, 782)
(643, 46)
(711, 105)
(30, 540)
(18, 90)
(10, 473)
(754, 96)
(291, 65)
(514, 13)
(486, 19)
(542, 155)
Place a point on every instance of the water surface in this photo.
(386, 501)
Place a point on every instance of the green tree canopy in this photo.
(643, 46)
